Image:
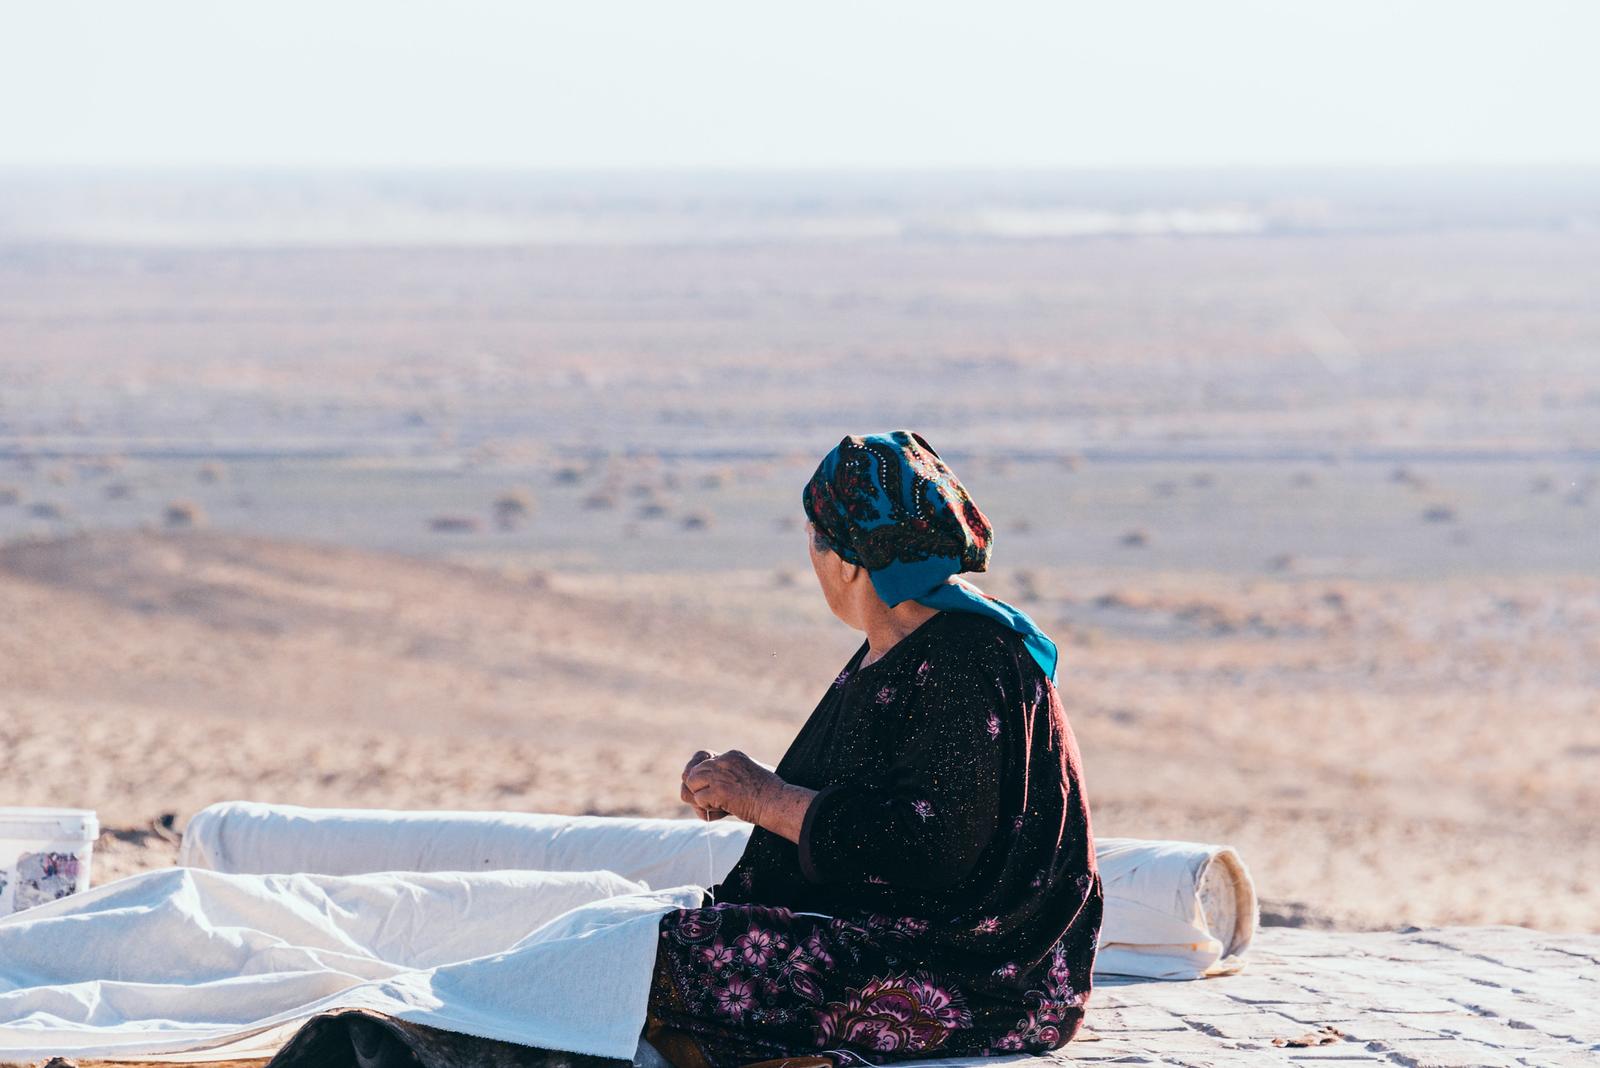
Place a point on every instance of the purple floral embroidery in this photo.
(923, 809)
(988, 925)
(894, 1013)
(716, 955)
(886, 695)
(922, 671)
(736, 997)
(1008, 970)
(1016, 824)
(842, 678)
(696, 925)
(993, 725)
(756, 946)
(815, 950)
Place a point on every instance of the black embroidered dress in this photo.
(943, 899)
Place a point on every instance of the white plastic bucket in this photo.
(44, 854)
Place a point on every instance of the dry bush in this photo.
(653, 509)
(1439, 513)
(512, 508)
(211, 473)
(455, 524)
(1407, 477)
(698, 521)
(118, 491)
(10, 495)
(569, 474)
(1137, 538)
(600, 500)
(48, 510)
(1202, 480)
(183, 515)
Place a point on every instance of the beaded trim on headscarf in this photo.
(881, 499)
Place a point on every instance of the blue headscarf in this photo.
(886, 502)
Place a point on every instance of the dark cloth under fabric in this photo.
(943, 899)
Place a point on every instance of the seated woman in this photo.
(921, 880)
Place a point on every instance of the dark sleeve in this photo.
(925, 819)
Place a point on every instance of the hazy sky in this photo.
(745, 83)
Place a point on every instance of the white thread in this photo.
(711, 864)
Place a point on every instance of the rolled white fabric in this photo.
(1173, 910)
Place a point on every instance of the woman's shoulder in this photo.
(978, 633)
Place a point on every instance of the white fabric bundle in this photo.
(534, 929)
(1174, 910)
(184, 964)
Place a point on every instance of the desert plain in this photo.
(484, 492)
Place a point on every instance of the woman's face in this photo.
(829, 570)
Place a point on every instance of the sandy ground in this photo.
(1380, 754)
(503, 512)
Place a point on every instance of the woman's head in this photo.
(892, 526)
(889, 517)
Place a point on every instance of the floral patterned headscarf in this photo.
(888, 503)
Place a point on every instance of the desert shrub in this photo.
(512, 508)
(118, 491)
(454, 524)
(600, 501)
(698, 521)
(1137, 538)
(1439, 513)
(211, 473)
(10, 495)
(183, 515)
(569, 474)
(48, 510)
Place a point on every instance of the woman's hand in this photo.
(730, 783)
(688, 795)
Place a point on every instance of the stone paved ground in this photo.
(1442, 997)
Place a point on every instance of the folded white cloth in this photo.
(185, 964)
(1174, 910)
(532, 929)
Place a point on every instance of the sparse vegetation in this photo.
(211, 473)
(513, 508)
(1137, 538)
(455, 524)
(698, 521)
(183, 515)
